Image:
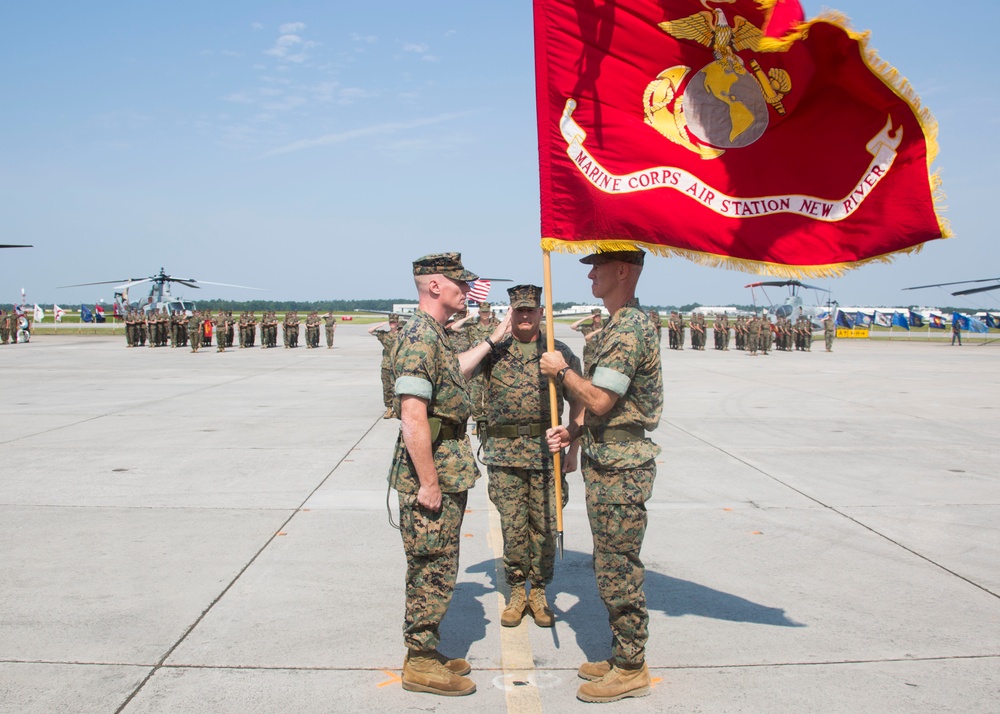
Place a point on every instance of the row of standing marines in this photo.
(178, 329)
(497, 373)
(751, 333)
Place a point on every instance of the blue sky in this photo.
(315, 149)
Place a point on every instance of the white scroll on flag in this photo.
(480, 289)
(58, 312)
(39, 314)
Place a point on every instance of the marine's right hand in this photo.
(557, 438)
(430, 497)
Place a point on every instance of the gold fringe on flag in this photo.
(712, 260)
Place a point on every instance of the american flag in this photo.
(480, 289)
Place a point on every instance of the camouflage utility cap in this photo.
(393, 317)
(596, 311)
(446, 264)
(484, 306)
(635, 257)
(529, 296)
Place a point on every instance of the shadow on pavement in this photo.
(587, 618)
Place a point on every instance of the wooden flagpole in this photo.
(550, 346)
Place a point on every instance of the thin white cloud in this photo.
(383, 129)
(256, 26)
(239, 98)
(412, 47)
(368, 39)
(290, 28)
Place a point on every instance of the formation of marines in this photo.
(753, 334)
(159, 328)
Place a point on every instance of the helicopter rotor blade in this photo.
(230, 285)
(957, 282)
(972, 291)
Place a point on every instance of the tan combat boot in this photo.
(539, 607)
(388, 413)
(424, 672)
(457, 666)
(617, 684)
(514, 611)
(593, 671)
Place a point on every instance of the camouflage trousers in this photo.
(387, 387)
(618, 530)
(829, 342)
(329, 336)
(431, 542)
(525, 499)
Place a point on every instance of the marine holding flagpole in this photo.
(622, 396)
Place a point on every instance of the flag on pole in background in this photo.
(882, 319)
(844, 320)
(39, 314)
(916, 320)
(861, 319)
(99, 313)
(85, 314)
(937, 322)
(667, 126)
(991, 321)
(900, 320)
(480, 289)
(58, 312)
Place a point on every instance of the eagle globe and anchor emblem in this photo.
(725, 104)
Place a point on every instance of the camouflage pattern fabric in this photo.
(518, 393)
(475, 333)
(422, 353)
(589, 346)
(431, 543)
(387, 339)
(520, 468)
(618, 529)
(619, 475)
(421, 359)
(525, 499)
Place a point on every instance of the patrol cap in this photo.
(635, 257)
(596, 311)
(484, 305)
(393, 317)
(529, 296)
(446, 264)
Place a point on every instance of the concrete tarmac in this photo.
(208, 533)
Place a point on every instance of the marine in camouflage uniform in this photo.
(194, 329)
(623, 396)
(312, 330)
(433, 467)
(516, 417)
(331, 327)
(591, 334)
(829, 332)
(388, 339)
(4, 328)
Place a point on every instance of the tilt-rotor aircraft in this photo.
(794, 307)
(159, 291)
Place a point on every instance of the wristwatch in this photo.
(561, 374)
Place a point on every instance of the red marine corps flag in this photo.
(729, 132)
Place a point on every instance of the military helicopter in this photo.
(159, 292)
(794, 307)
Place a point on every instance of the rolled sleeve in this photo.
(414, 387)
(611, 380)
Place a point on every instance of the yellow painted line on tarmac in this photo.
(517, 660)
